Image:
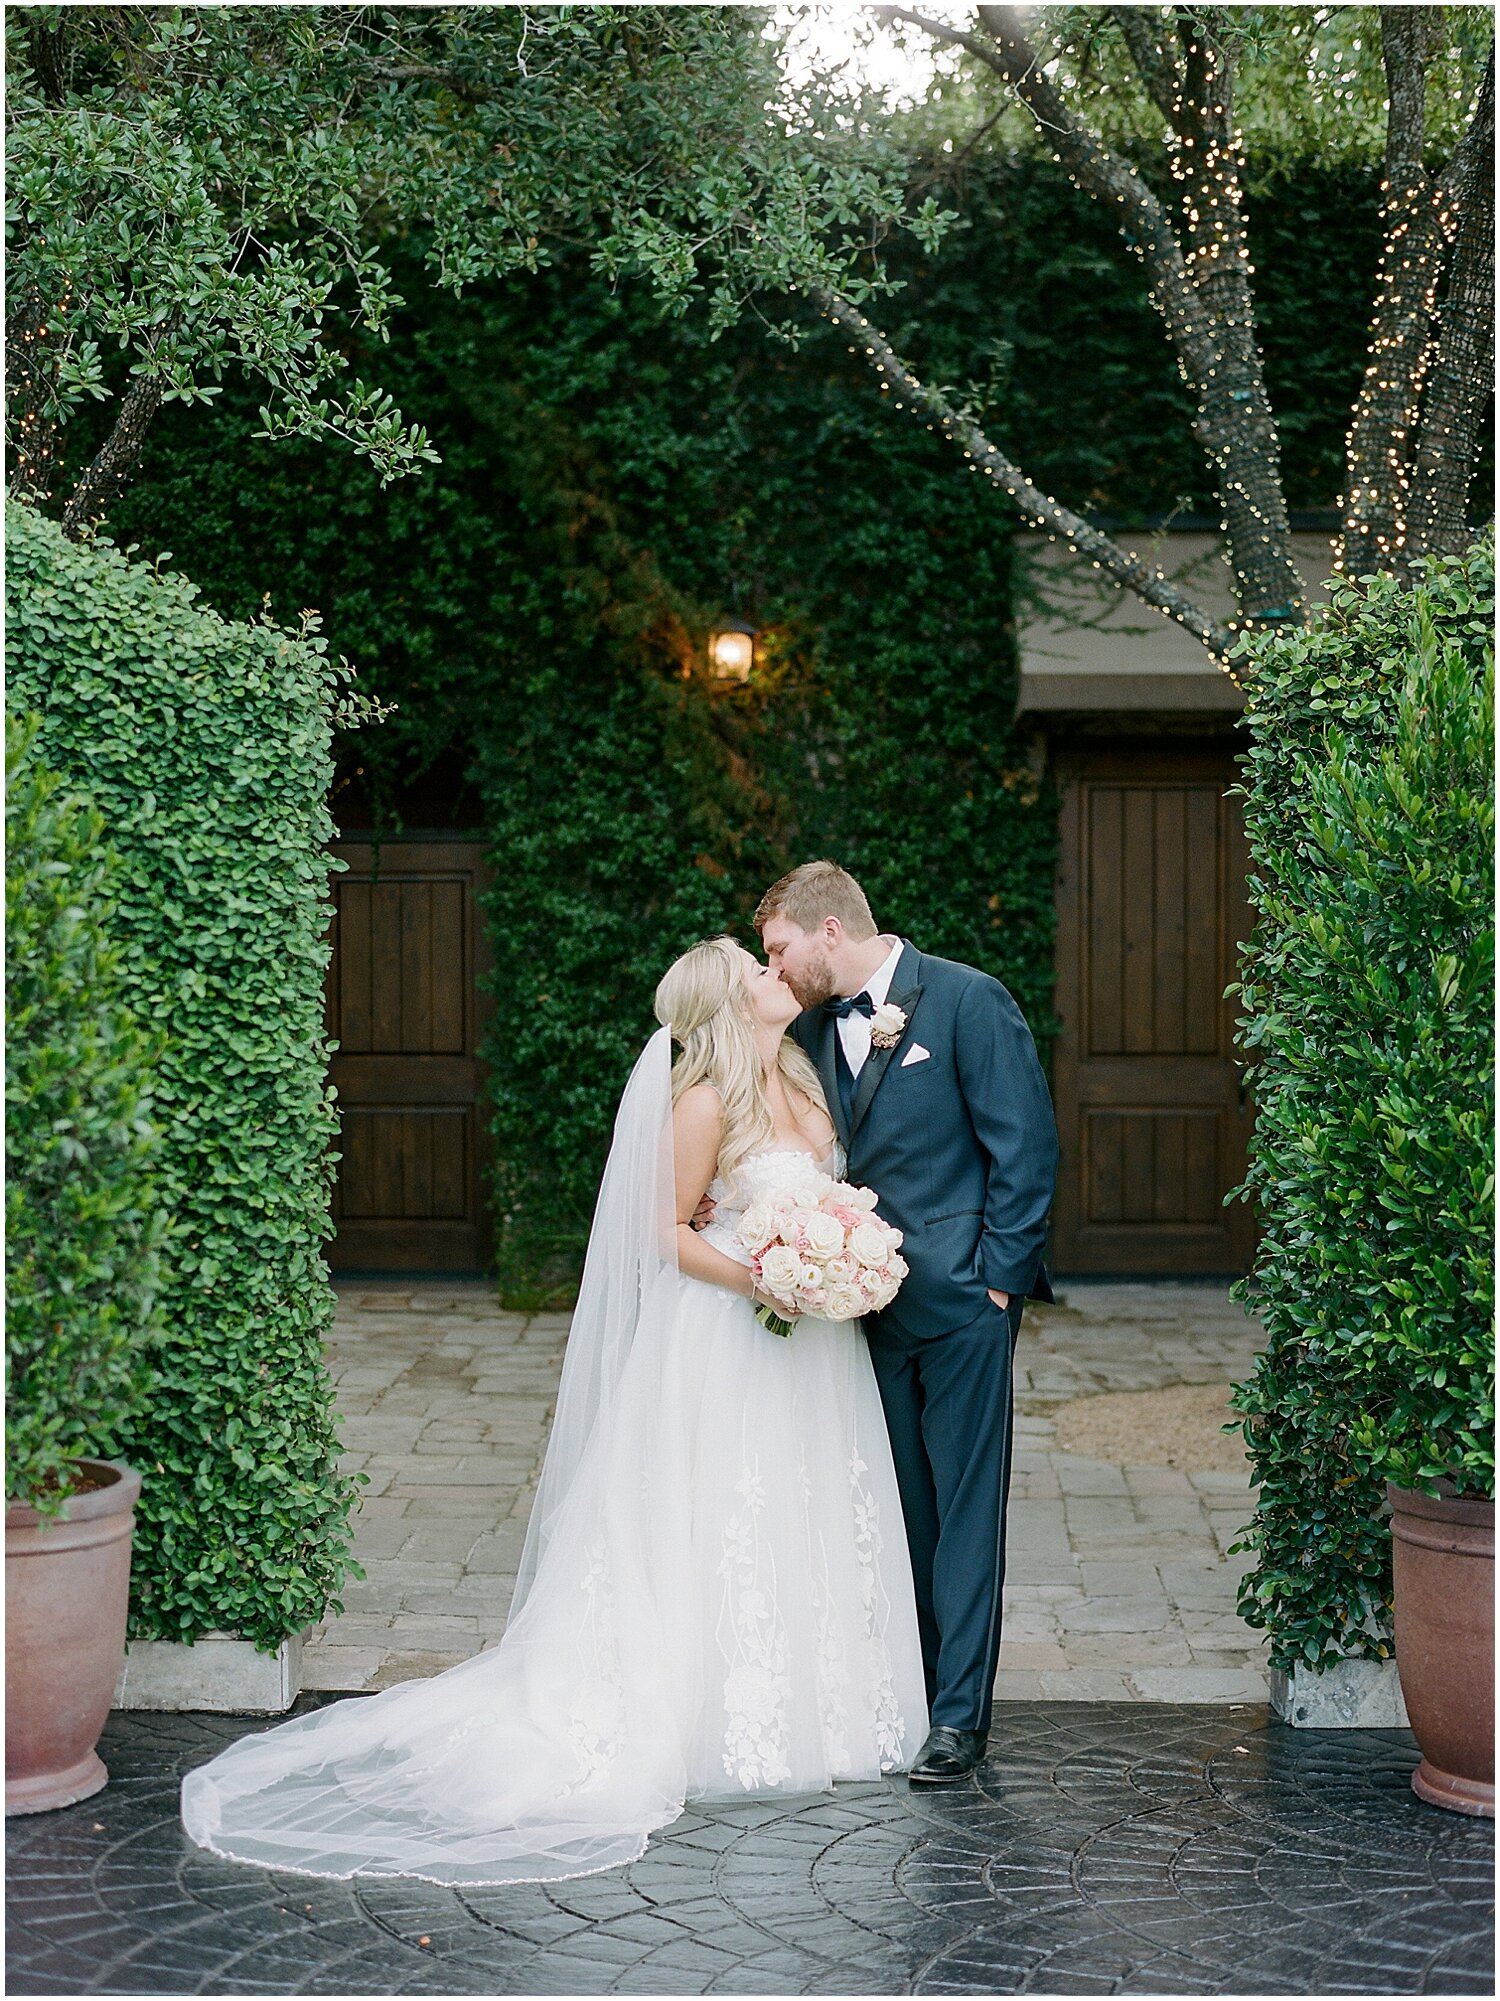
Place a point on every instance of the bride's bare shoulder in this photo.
(697, 1131)
(698, 1109)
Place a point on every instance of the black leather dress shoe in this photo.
(947, 1757)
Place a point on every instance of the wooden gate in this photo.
(1152, 1112)
(405, 1010)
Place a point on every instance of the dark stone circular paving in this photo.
(1103, 1849)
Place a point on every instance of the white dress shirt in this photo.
(854, 1029)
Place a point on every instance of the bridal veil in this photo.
(558, 1751)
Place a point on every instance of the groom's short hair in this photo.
(813, 892)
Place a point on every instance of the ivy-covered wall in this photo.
(538, 604)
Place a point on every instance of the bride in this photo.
(714, 1597)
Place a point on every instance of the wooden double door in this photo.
(1153, 1109)
(406, 1012)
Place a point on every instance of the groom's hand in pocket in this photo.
(1001, 1299)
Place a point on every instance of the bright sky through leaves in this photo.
(838, 35)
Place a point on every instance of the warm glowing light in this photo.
(732, 651)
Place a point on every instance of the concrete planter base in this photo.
(218, 1672)
(1354, 1695)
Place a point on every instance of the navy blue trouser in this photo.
(948, 1407)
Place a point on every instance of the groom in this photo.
(932, 1077)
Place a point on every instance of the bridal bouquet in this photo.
(821, 1249)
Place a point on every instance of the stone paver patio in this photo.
(1143, 1843)
(1119, 1582)
(1103, 1848)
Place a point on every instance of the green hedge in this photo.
(83, 1223)
(205, 747)
(1368, 994)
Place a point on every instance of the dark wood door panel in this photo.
(401, 982)
(1151, 1117)
(402, 1165)
(383, 1080)
(1151, 1166)
(1195, 1080)
(1152, 920)
(406, 1011)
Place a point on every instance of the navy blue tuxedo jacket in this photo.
(960, 1146)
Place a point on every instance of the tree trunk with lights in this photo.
(111, 466)
(1412, 446)
(1410, 456)
(1462, 371)
(1236, 426)
(1198, 273)
(1422, 393)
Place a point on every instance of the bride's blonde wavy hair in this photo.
(702, 998)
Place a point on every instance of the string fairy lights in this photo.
(1041, 511)
(1198, 278)
(37, 342)
(1407, 480)
(1404, 463)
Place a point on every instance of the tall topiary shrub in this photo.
(205, 746)
(83, 1221)
(1368, 997)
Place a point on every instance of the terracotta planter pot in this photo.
(67, 1582)
(1445, 1643)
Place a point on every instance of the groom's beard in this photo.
(814, 984)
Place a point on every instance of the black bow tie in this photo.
(856, 1004)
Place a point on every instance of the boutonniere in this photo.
(887, 1025)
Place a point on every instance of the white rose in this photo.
(844, 1302)
(757, 1226)
(841, 1271)
(897, 1266)
(824, 1235)
(810, 1277)
(858, 1198)
(887, 1020)
(810, 1193)
(870, 1244)
(780, 1269)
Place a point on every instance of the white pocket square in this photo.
(916, 1054)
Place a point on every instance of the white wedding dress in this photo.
(715, 1598)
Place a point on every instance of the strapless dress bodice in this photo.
(763, 1177)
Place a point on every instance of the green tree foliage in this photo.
(1368, 992)
(200, 190)
(83, 1221)
(205, 748)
